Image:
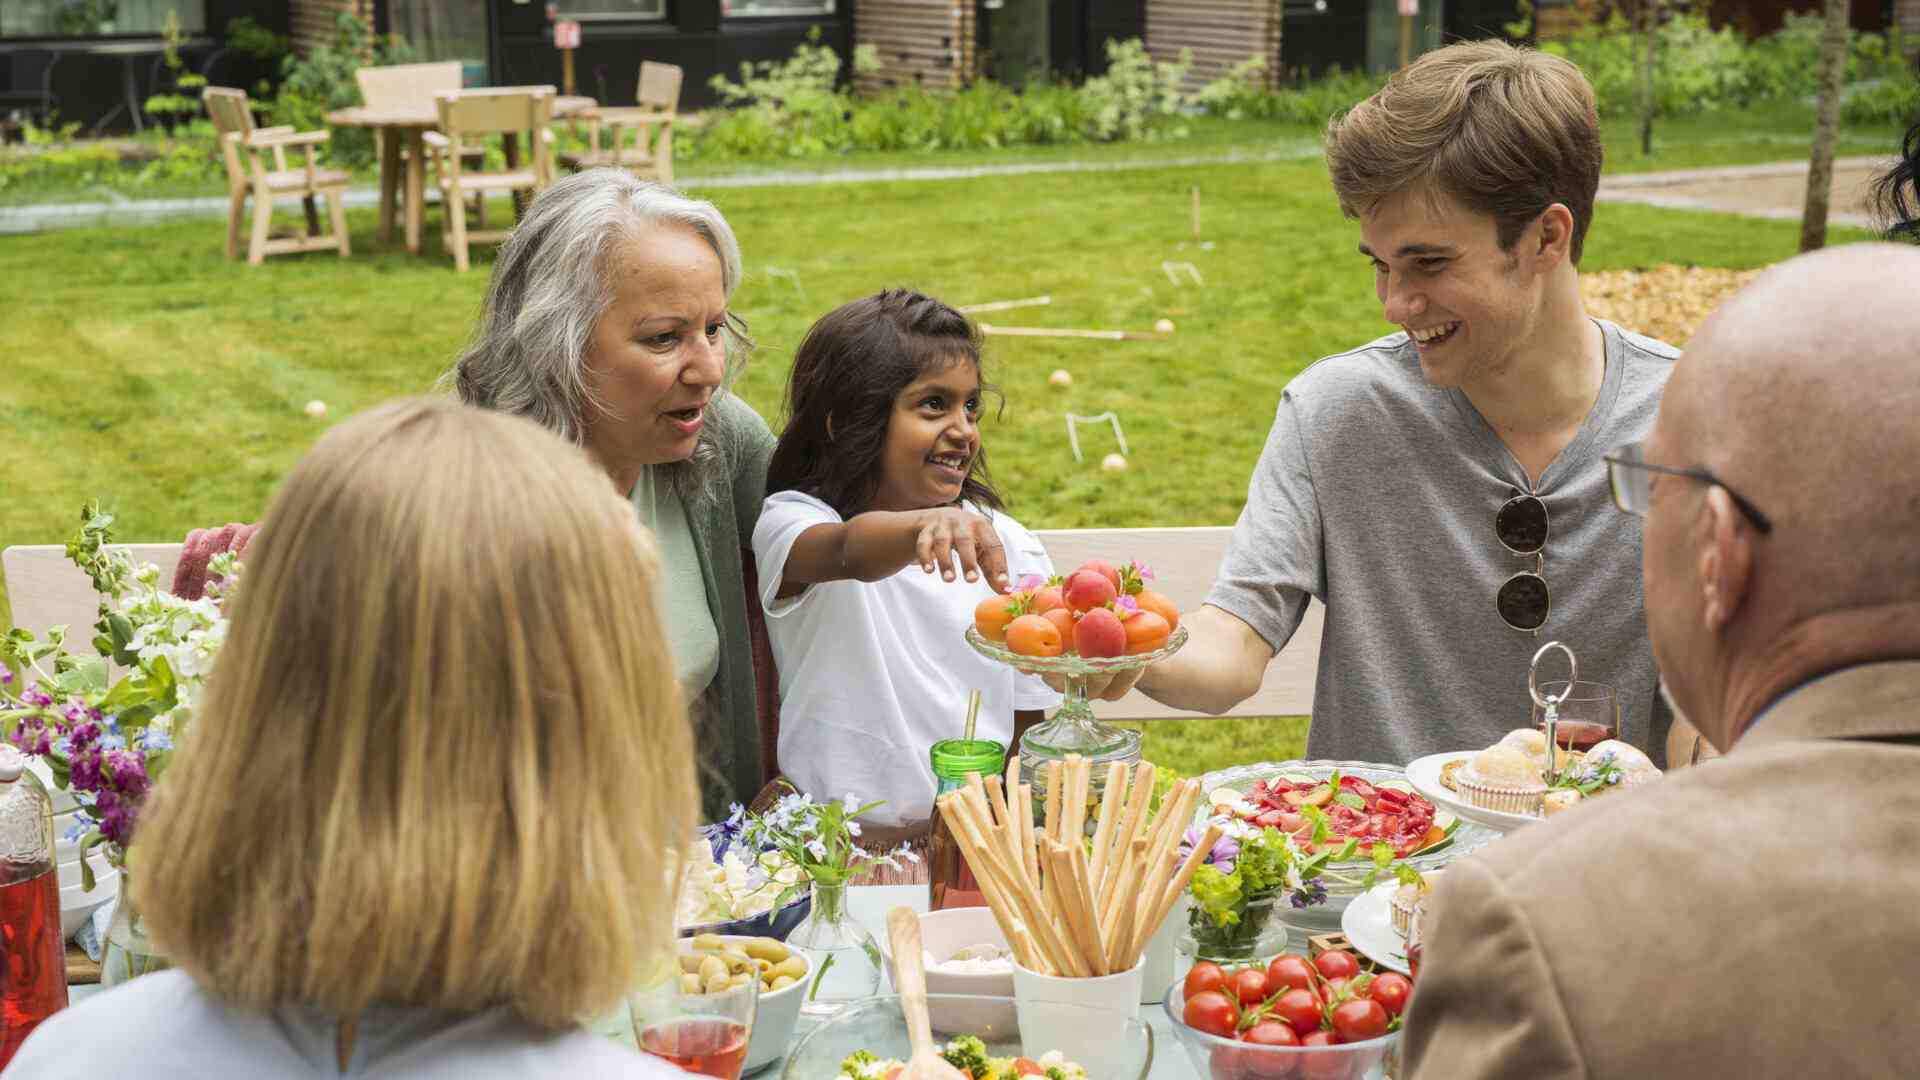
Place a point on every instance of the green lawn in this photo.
(146, 370)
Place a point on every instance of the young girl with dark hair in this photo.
(1896, 195)
(876, 489)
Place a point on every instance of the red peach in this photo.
(1099, 633)
(1087, 589)
(1104, 569)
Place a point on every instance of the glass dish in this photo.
(1074, 729)
(878, 1025)
(1466, 837)
(1230, 1059)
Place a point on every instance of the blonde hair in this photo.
(1503, 130)
(443, 759)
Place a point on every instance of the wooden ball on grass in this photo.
(1164, 326)
(1114, 463)
(1061, 377)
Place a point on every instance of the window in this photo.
(444, 30)
(608, 10)
(738, 8)
(86, 18)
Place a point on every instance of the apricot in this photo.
(1160, 605)
(1146, 631)
(1062, 617)
(992, 615)
(1099, 633)
(1035, 635)
(1104, 569)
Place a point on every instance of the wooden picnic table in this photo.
(409, 126)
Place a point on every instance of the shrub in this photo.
(322, 81)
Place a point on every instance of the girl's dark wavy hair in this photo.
(1897, 194)
(854, 362)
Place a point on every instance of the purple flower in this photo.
(129, 773)
(1128, 604)
(1145, 571)
(1030, 582)
(85, 771)
(116, 818)
(1313, 892)
(1223, 857)
(6, 677)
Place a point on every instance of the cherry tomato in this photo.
(1027, 1067)
(1270, 1032)
(1328, 1065)
(1391, 989)
(1359, 1020)
(1292, 972)
(1336, 990)
(1337, 963)
(1300, 1009)
(1249, 985)
(1212, 1012)
(1203, 977)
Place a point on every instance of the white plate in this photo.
(1424, 775)
(1368, 924)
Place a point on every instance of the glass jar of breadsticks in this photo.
(1073, 906)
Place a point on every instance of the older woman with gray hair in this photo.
(607, 322)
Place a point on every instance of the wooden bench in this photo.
(46, 590)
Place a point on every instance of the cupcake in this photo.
(1635, 766)
(1532, 742)
(1502, 778)
(1408, 900)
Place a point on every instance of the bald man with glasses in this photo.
(1754, 916)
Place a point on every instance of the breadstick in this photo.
(1025, 821)
(1168, 829)
(1077, 877)
(1179, 883)
(1103, 830)
(990, 887)
(1121, 955)
(1137, 797)
(1131, 861)
(1061, 894)
(1021, 937)
(1025, 902)
(1053, 800)
(1007, 834)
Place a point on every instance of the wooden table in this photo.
(409, 127)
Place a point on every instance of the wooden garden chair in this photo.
(257, 166)
(648, 126)
(470, 115)
(393, 87)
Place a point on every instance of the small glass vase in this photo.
(128, 953)
(843, 960)
(1259, 935)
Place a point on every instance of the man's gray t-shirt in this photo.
(1376, 494)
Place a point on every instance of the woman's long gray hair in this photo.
(551, 285)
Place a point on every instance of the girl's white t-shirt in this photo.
(872, 674)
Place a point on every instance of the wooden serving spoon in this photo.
(903, 929)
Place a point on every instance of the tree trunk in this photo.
(1826, 126)
(1648, 12)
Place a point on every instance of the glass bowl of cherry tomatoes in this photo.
(1319, 1019)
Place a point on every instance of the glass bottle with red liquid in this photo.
(34, 985)
(950, 880)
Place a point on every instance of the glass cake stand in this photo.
(1074, 729)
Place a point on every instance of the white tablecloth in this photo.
(870, 905)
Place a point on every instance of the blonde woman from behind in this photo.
(418, 826)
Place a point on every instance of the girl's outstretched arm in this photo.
(877, 544)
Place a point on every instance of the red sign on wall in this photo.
(566, 35)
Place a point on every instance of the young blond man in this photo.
(1441, 489)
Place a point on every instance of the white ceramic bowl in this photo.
(76, 906)
(774, 1016)
(943, 933)
(70, 868)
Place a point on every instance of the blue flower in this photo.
(1309, 894)
(152, 740)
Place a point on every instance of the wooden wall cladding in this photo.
(1220, 34)
(313, 21)
(930, 43)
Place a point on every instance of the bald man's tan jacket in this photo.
(1756, 916)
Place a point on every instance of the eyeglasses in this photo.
(1631, 477)
(1523, 600)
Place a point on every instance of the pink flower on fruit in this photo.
(1126, 606)
(1030, 582)
(1145, 571)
